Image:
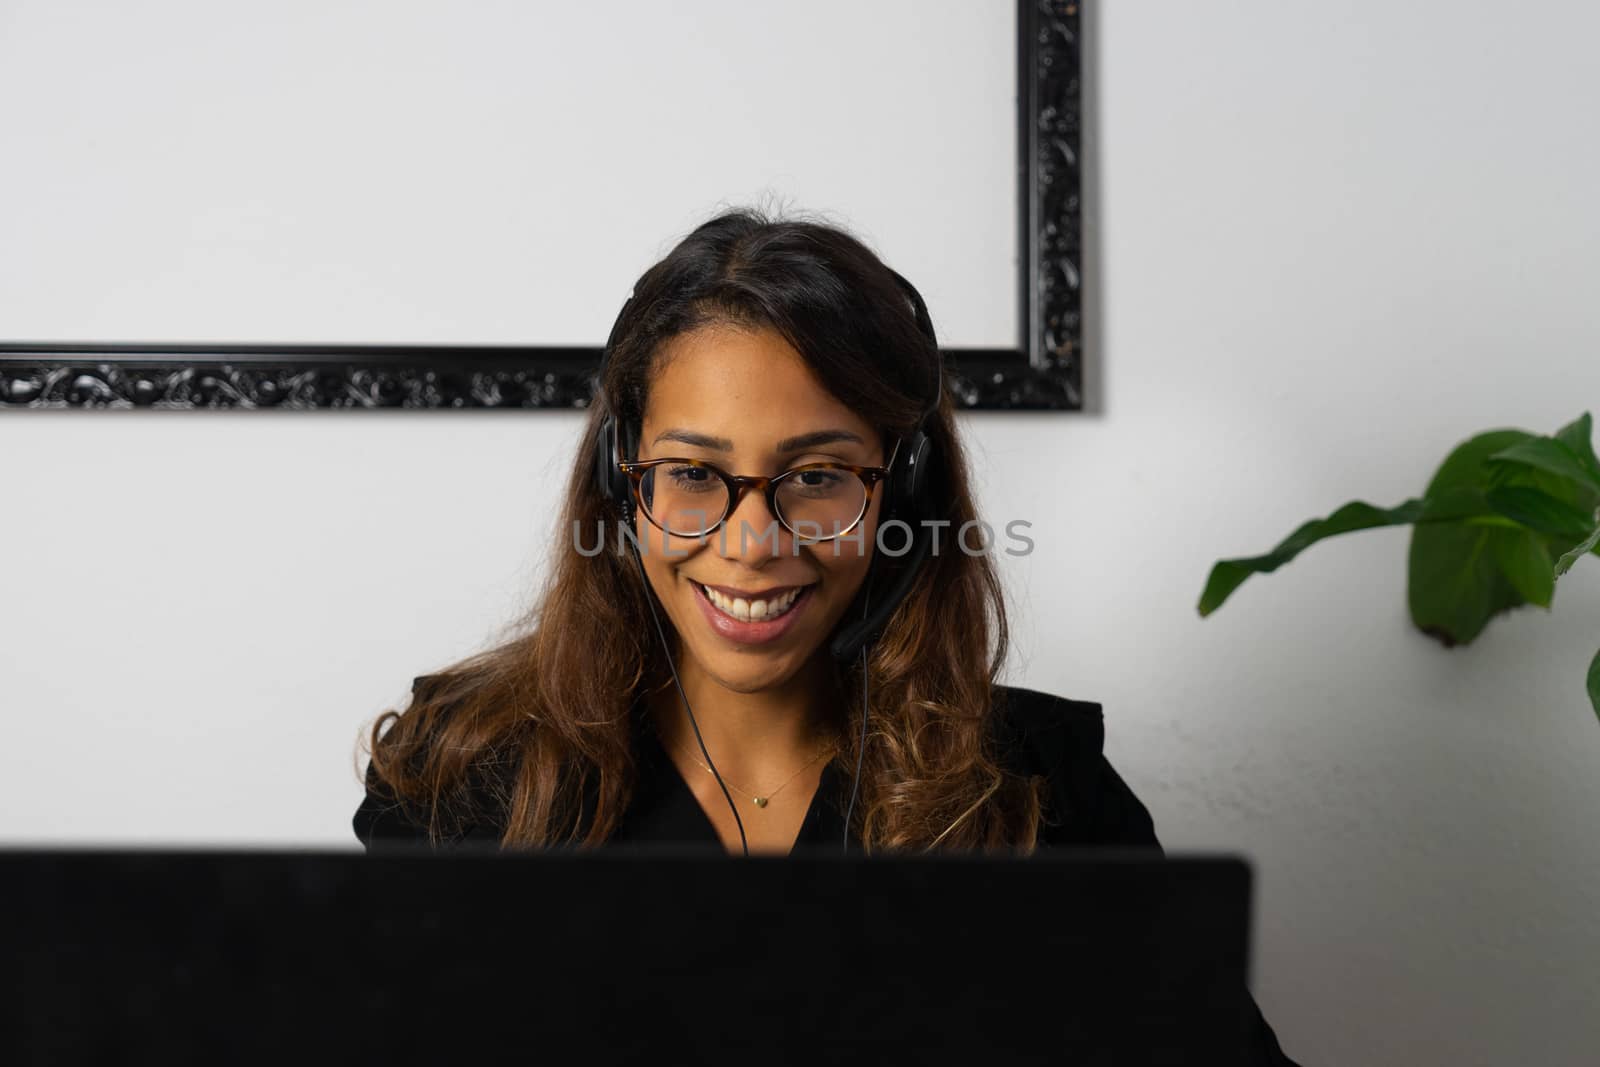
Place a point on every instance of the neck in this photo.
(751, 736)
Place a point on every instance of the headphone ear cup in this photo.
(612, 484)
(913, 479)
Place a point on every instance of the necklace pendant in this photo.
(761, 802)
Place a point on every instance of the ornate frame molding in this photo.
(1044, 371)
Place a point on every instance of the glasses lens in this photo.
(683, 499)
(821, 503)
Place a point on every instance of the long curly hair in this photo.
(536, 734)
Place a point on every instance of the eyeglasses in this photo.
(691, 498)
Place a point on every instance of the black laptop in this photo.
(653, 955)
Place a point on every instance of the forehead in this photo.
(742, 383)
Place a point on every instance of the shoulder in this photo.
(1043, 730)
(383, 820)
(1063, 741)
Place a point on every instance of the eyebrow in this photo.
(788, 444)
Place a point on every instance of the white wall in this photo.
(429, 171)
(1332, 241)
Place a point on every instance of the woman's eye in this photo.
(819, 483)
(688, 477)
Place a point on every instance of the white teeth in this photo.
(752, 610)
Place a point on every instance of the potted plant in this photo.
(1506, 515)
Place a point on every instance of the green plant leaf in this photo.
(1549, 455)
(1579, 495)
(1588, 544)
(1454, 583)
(1578, 435)
(1449, 506)
(1594, 683)
(1539, 510)
(1525, 562)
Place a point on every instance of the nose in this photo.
(751, 532)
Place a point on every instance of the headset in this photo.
(910, 499)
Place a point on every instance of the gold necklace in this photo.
(761, 801)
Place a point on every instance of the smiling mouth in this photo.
(763, 610)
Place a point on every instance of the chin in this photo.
(747, 673)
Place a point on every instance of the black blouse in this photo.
(1036, 733)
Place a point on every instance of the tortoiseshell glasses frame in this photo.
(737, 484)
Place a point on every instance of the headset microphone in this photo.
(855, 636)
(911, 491)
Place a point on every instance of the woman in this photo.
(772, 395)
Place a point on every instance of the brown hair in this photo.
(536, 734)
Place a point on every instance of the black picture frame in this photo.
(1043, 372)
